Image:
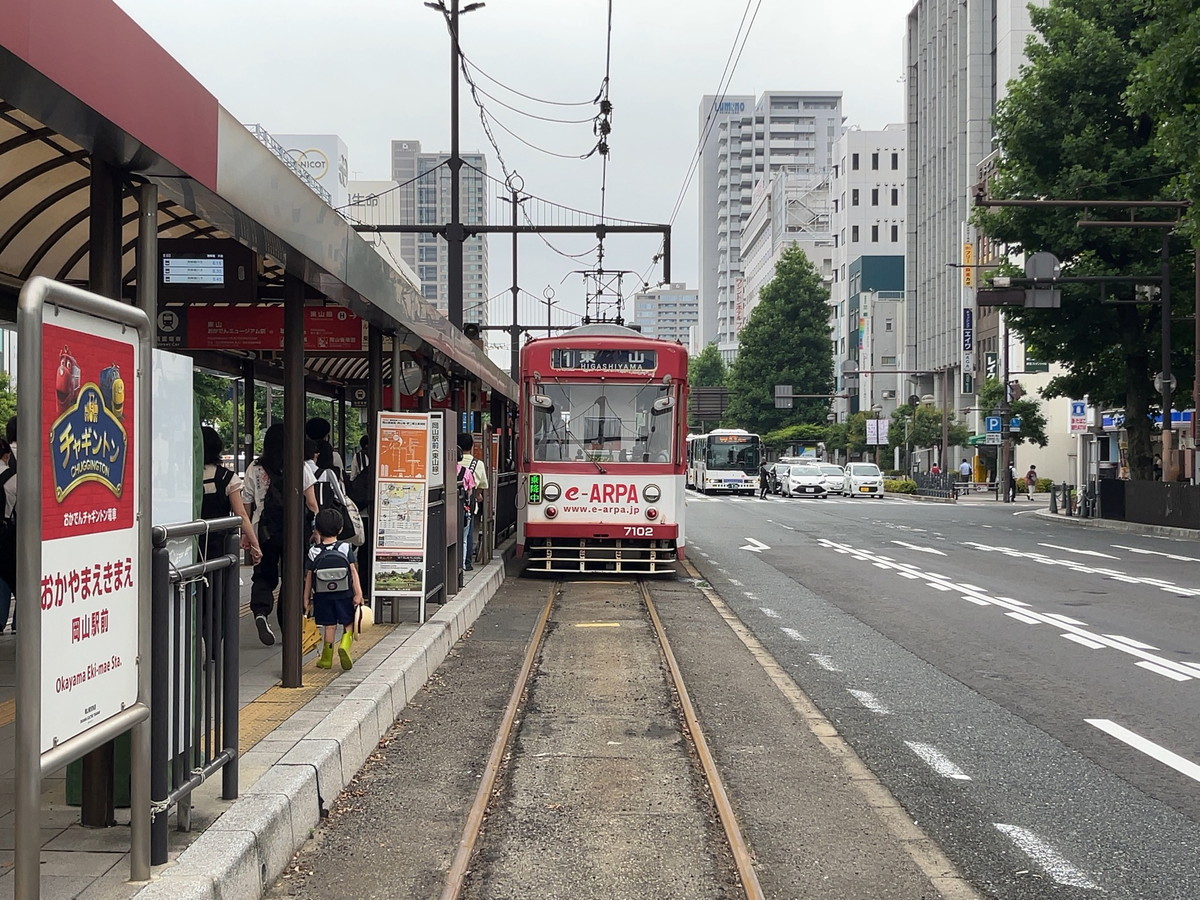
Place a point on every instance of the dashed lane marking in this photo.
(1087, 642)
(825, 662)
(1163, 670)
(793, 634)
(1151, 749)
(1051, 861)
(1174, 556)
(769, 613)
(938, 761)
(1080, 552)
(870, 701)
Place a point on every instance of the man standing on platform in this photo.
(467, 461)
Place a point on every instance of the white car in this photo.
(863, 480)
(803, 481)
(835, 477)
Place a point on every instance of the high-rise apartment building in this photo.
(869, 185)
(669, 312)
(744, 142)
(427, 202)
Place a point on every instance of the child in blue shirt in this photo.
(332, 592)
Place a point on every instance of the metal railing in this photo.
(942, 485)
(194, 665)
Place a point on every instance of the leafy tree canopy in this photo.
(1065, 133)
(8, 400)
(786, 341)
(1029, 409)
(922, 427)
(707, 369)
(805, 433)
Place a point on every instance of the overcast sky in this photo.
(372, 71)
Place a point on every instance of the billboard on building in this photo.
(325, 159)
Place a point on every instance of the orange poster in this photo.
(403, 446)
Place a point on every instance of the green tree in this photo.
(1028, 409)
(8, 400)
(921, 427)
(805, 433)
(707, 369)
(214, 403)
(1065, 133)
(786, 341)
(1166, 87)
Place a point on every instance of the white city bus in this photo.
(725, 459)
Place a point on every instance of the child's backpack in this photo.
(331, 569)
(467, 486)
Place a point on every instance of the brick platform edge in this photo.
(244, 851)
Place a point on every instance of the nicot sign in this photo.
(89, 535)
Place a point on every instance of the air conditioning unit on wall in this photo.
(889, 395)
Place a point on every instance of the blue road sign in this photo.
(1078, 408)
(1014, 424)
(992, 424)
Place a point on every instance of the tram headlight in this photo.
(551, 491)
(652, 493)
(651, 513)
(551, 512)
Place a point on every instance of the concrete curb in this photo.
(248, 847)
(1125, 527)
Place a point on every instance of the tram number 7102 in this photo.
(639, 531)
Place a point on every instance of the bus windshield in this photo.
(603, 422)
(733, 452)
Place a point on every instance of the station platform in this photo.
(291, 754)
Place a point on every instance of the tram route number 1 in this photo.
(535, 488)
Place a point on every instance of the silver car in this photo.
(803, 481)
(835, 477)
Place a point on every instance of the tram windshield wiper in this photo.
(595, 462)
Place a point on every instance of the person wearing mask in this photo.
(263, 493)
(470, 463)
(223, 497)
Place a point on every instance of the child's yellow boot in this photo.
(326, 660)
(344, 650)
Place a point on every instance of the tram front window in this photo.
(603, 423)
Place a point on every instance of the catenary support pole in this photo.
(1196, 377)
(1170, 469)
(454, 231)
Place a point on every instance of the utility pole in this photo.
(455, 232)
(1005, 456)
(515, 183)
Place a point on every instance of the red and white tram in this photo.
(602, 456)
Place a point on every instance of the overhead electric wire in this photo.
(534, 115)
(532, 146)
(392, 189)
(722, 89)
(513, 90)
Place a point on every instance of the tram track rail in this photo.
(692, 732)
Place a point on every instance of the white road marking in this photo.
(919, 549)
(881, 565)
(768, 612)
(755, 546)
(735, 581)
(1021, 617)
(1053, 862)
(1130, 641)
(825, 662)
(870, 701)
(978, 601)
(1066, 620)
(938, 586)
(1113, 641)
(1087, 642)
(1162, 754)
(1026, 512)
(750, 596)
(1157, 553)
(1080, 552)
(793, 634)
(1163, 670)
(938, 761)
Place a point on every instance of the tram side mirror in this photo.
(662, 405)
(541, 401)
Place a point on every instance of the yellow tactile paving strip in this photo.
(277, 704)
(8, 712)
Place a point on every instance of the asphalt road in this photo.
(1026, 688)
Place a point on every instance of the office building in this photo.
(744, 142)
(669, 312)
(869, 236)
(425, 199)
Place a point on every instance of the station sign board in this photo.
(201, 326)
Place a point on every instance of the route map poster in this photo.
(90, 559)
(404, 444)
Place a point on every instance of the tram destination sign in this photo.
(579, 359)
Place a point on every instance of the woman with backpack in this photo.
(222, 497)
(263, 492)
